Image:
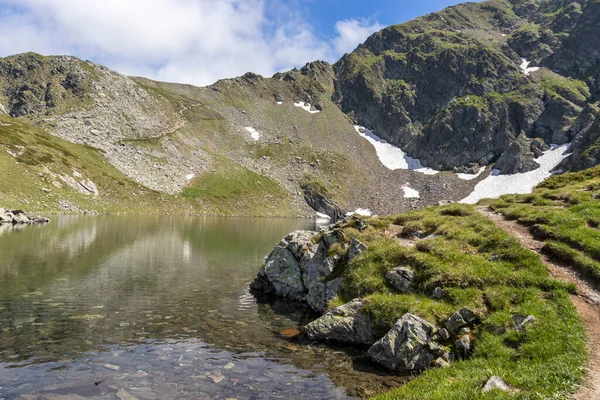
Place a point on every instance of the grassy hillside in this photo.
(39, 170)
(476, 265)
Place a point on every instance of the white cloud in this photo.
(352, 32)
(191, 41)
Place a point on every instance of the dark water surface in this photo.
(156, 308)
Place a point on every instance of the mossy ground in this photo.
(479, 266)
(564, 211)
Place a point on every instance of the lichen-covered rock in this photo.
(346, 324)
(408, 346)
(401, 278)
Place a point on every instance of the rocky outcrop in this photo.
(434, 88)
(15, 217)
(300, 268)
(317, 199)
(518, 158)
(409, 346)
(345, 324)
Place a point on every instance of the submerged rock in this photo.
(408, 346)
(346, 324)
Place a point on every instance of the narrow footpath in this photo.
(587, 300)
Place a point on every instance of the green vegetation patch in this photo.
(236, 190)
(565, 211)
(476, 265)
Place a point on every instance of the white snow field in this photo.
(391, 156)
(525, 67)
(410, 193)
(254, 134)
(363, 212)
(306, 106)
(495, 185)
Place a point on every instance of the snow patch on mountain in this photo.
(496, 185)
(410, 193)
(306, 107)
(254, 134)
(525, 67)
(391, 156)
(363, 212)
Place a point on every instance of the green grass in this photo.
(480, 266)
(563, 210)
(235, 190)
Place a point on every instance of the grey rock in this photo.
(408, 346)
(346, 324)
(444, 334)
(320, 203)
(463, 346)
(441, 363)
(463, 331)
(356, 249)
(437, 293)
(20, 218)
(517, 158)
(522, 322)
(283, 271)
(460, 318)
(401, 278)
(495, 382)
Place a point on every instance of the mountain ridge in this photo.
(448, 88)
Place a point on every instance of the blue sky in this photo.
(199, 41)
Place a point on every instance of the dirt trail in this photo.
(587, 300)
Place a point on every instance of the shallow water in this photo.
(157, 308)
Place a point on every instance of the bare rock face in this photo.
(409, 346)
(345, 324)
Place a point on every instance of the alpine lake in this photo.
(155, 307)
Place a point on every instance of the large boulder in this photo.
(300, 268)
(281, 273)
(408, 346)
(346, 324)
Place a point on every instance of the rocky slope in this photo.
(453, 88)
(449, 88)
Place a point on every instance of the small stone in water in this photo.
(229, 366)
(216, 378)
(113, 367)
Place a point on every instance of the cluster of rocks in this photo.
(15, 217)
(301, 267)
(412, 344)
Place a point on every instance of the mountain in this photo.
(451, 89)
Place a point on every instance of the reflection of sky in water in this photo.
(83, 292)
